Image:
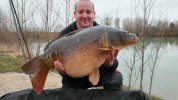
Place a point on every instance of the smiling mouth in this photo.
(84, 20)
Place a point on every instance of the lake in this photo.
(165, 83)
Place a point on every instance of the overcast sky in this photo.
(103, 7)
(169, 7)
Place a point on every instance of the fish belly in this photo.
(82, 62)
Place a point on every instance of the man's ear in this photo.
(94, 14)
(74, 14)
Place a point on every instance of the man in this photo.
(110, 78)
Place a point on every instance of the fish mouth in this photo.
(135, 40)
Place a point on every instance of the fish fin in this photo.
(38, 79)
(106, 49)
(94, 77)
(39, 72)
(31, 66)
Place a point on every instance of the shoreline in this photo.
(13, 81)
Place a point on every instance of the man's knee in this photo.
(112, 80)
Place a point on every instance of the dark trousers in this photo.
(112, 80)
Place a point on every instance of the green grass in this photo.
(10, 64)
(154, 98)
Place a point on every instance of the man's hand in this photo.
(110, 58)
(59, 67)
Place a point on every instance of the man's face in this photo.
(84, 14)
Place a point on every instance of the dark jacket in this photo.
(72, 27)
(83, 83)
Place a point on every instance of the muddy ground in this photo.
(11, 82)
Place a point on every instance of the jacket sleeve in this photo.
(68, 29)
(65, 31)
(110, 69)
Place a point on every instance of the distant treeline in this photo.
(159, 27)
(11, 38)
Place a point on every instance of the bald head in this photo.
(84, 1)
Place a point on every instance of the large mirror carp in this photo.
(81, 53)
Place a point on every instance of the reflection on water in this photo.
(165, 83)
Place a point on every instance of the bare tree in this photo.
(117, 19)
(48, 20)
(65, 11)
(146, 6)
(147, 59)
(128, 25)
(69, 11)
(162, 26)
(156, 55)
(117, 22)
(176, 23)
(3, 26)
(108, 20)
(131, 64)
(25, 10)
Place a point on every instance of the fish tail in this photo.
(38, 79)
(39, 71)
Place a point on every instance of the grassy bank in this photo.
(10, 64)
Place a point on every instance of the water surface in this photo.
(165, 83)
